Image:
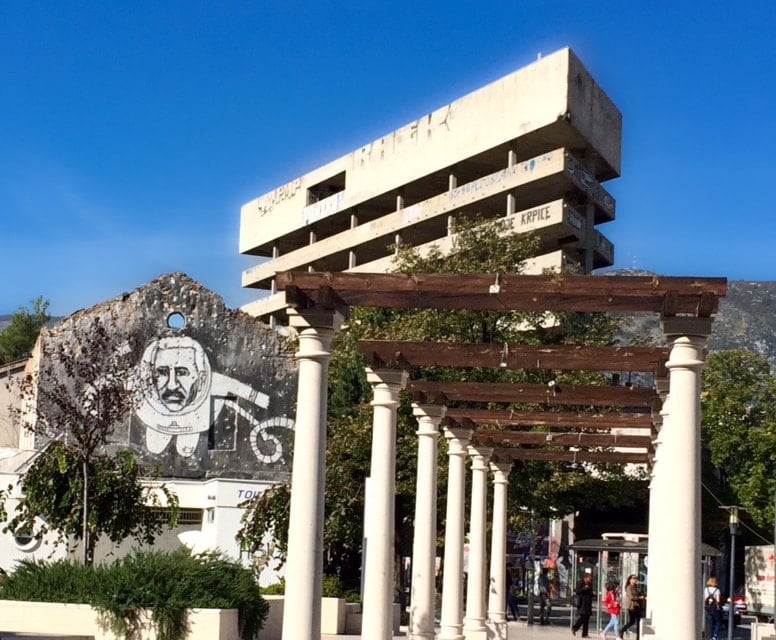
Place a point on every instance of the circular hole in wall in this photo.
(24, 539)
(176, 320)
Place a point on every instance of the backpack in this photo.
(710, 603)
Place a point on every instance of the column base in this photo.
(497, 630)
(476, 633)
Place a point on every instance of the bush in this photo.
(166, 584)
(332, 587)
(276, 589)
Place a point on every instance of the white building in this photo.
(534, 146)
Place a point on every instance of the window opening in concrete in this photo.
(327, 188)
(24, 539)
(176, 320)
(185, 516)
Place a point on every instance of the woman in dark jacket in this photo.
(585, 597)
(633, 601)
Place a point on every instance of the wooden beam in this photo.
(595, 457)
(602, 294)
(401, 354)
(502, 438)
(553, 419)
(588, 395)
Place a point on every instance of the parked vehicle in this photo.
(758, 597)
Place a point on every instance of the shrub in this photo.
(276, 589)
(166, 584)
(332, 587)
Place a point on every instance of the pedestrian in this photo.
(584, 605)
(545, 596)
(612, 604)
(712, 609)
(634, 603)
(512, 589)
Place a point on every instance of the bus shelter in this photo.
(614, 557)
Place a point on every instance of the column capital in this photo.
(687, 326)
(315, 318)
(501, 469)
(687, 353)
(390, 377)
(433, 412)
(480, 457)
(457, 441)
(428, 416)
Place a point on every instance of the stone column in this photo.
(497, 627)
(474, 621)
(304, 564)
(452, 570)
(422, 599)
(377, 618)
(658, 545)
(681, 462)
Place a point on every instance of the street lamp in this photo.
(733, 521)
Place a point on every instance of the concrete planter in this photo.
(333, 617)
(83, 622)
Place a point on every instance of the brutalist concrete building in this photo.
(534, 146)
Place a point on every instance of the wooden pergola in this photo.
(552, 422)
(496, 428)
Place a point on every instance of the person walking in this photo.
(634, 603)
(545, 596)
(612, 604)
(712, 609)
(512, 589)
(584, 605)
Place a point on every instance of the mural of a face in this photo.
(176, 374)
(176, 377)
(182, 395)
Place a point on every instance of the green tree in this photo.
(82, 387)
(18, 338)
(738, 401)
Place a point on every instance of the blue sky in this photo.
(132, 132)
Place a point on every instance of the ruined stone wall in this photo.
(216, 387)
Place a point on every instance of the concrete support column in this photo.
(452, 182)
(681, 462)
(510, 204)
(422, 600)
(452, 576)
(659, 488)
(497, 627)
(474, 621)
(304, 565)
(378, 562)
(511, 158)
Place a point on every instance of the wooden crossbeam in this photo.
(401, 354)
(512, 438)
(586, 395)
(552, 419)
(633, 294)
(595, 457)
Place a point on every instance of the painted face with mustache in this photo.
(176, 377)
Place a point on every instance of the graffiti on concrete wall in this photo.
(216, 395)
(179, 384)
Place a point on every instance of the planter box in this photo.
(354, 619)
(333, 616)
(81, 621)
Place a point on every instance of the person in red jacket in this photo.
(612, 605)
